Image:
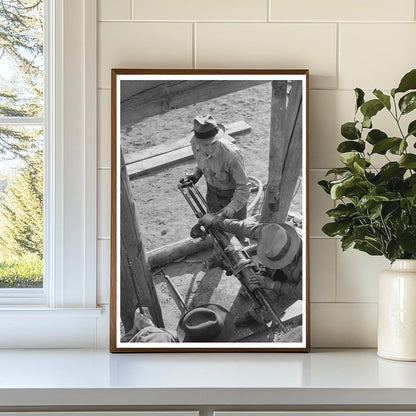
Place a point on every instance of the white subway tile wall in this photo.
(201, 10)
(114, 10)
(270, 45)
(345, 44)
(352, 10)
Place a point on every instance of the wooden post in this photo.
(136, 281)
(285, 158)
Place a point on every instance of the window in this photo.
(63, 312)
(22, 132)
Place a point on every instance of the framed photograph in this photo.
(209, 212)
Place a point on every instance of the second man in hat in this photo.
(222, 164)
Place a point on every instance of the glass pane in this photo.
(21, 207)
(21, 58)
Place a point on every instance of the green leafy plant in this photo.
(376, 212)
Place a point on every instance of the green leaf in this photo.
(342, 211)
(394, 251)
(407, 240)
(348, 158)
(361, 231)
(346, 242)
(359, 95)
(375, 212)
(351, 186)
(367, 122)
(371, 108)
(398, 149)
(359, 166)
(349, 146)
(408, 102)
(338, 171)
(369, 201)
(369, 248)
(385, 99)
(408, 161)
(385, 144)
(390, 170)
(336, 228)
(325, 186)
(350, 131)
(375, 136)
(411, 130)
(408, 82)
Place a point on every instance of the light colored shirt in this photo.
(224, 169)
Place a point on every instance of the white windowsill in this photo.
(323, 378)
(40, 327)
(36, 312)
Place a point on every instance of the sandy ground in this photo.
(164, 215)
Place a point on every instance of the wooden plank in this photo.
(285, 159)
(159, 161)
(238, 127)
(136, 281)
(159, 99)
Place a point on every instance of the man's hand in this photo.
(193, 178)
(266, 282)
(197, 232)
(227, 212)
(207, 219)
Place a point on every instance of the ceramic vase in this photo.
(397, 312)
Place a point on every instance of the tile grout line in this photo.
(269, 10)
(131, 10)
(338, 63)
(194, 63)
(307, 22)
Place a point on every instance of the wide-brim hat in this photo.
(205, 323)
(206, 130)
(278, 245)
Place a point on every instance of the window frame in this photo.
(70, 208)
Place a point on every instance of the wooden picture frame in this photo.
(162, 300)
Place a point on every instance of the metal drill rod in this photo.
(195, 188)
(265, 299)
(181, 188)
(197, 202)
(173, 287)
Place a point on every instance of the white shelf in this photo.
(56, 378)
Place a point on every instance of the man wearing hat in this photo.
(279, 249)
(222, 164)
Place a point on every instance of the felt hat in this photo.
(206, 323)
(206, 130)
(278, 245)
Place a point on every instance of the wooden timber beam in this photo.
(285, 158)
(168, 95)
(171, 252)
(136, 281)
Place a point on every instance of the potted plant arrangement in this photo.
(376, 209)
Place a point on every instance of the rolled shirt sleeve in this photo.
(248, 228)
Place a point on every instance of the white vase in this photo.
(397, 312)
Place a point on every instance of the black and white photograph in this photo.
(209, 232)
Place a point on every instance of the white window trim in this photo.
(70, 254)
